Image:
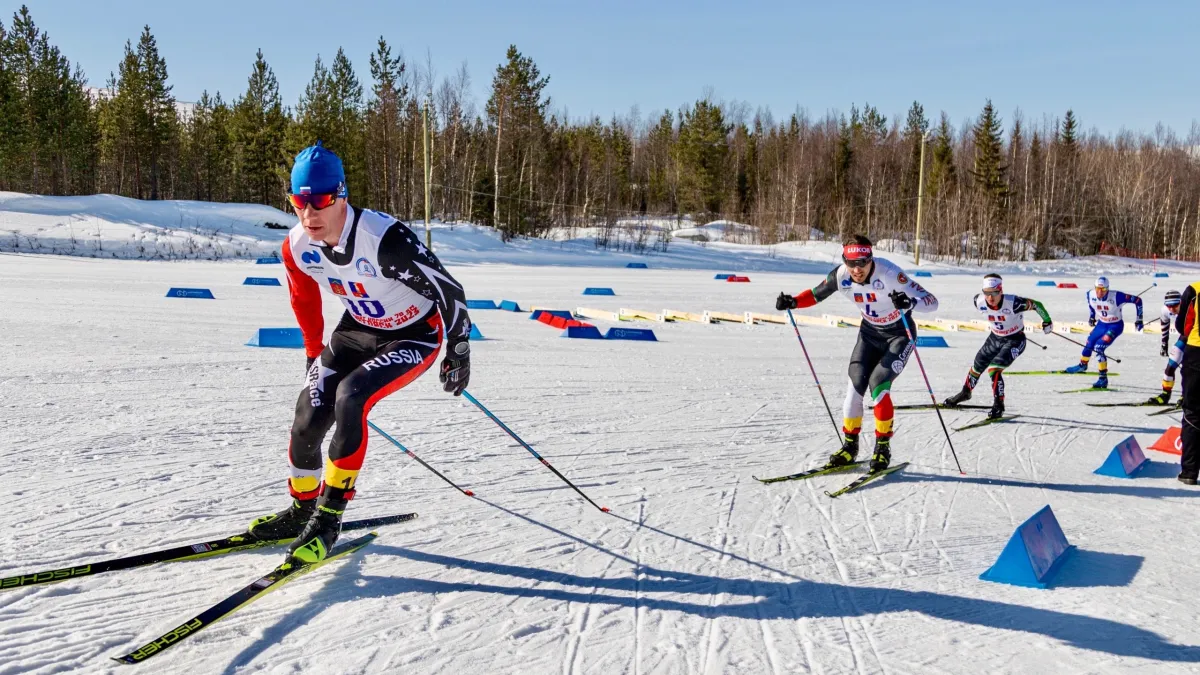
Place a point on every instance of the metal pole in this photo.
(920, 199)
(428, 176)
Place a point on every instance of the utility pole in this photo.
(429, 174)
(920, 199)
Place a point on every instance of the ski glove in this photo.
(1092, 321)
(1047, 327)
(308, 366)
(901, 301)
(785, 301)
(456, 367)
(1138, 325)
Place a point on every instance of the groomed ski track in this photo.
(133, 421)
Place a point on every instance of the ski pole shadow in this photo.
(1093, 426)
(661, 590)
(1103, 489)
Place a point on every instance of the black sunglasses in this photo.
(857, 262)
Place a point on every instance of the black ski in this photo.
(1173, 409)
(204, 549)
(822, 471)
(985, 422)
(930, 406)
(863, 480)
(1131, 404)
(1087, 389)
(282, 574)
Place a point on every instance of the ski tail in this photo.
(863, 480)
(821, 471)
(204, 549)
(274, 579)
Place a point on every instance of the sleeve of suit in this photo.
(305, 296)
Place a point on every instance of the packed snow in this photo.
(133, 421)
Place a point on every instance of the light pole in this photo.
(920, 199)
(429, 177)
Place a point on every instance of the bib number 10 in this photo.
(371, 308)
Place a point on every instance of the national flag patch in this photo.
(871, 297)
(336, 286)
(357, 290)
(858, 297)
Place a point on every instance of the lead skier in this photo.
(1174, 353)
(1108, 322)
(1005, 343)
(883, 293)
(398, 298)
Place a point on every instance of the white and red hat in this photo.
(857, 252)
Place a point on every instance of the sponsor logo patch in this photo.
(310, 258)
(901, 278)
(365, 268)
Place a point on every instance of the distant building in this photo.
(183, 109)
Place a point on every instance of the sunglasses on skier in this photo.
(993, 292)
(317, 201)
(857, 262)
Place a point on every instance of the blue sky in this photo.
(1119, 65)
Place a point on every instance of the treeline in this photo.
(992, 190)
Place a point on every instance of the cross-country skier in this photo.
(1174, 353)
(1108, 322)
(882, 293)
(1188, 325)
(1006, 342)
(397, 299)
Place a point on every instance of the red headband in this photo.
(856, 251)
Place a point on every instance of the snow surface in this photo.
(134, 421)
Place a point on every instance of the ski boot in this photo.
(1186, 479)
(953, 401)
(1077, 368)
(847, 454)
(1162, 399)
(321, 531)
(1101, 383)
(997, 410)
(283, 525)
(883, 455)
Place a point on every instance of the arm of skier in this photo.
(923, 300)
(1027, 304)
(1187, 313)
(810, 297)
(305, 296)
(405, 259)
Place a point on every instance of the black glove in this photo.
(1092, 321)
(308, 366)
(901, 301)
(1138, 325)
(785, 301)
(1163, 351)
(456, 367)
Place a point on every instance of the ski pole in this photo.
(1035, 343)
(837, 430)
(533, 452)
(1151, 286)
(936, 408)
(408, 452)
(1110, 358)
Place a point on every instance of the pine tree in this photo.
(389, 93)
(315, 113)
(915, 127)
(700, 154)
(518, 112)
(346, 98)
(989, 172)
(1067, 138)
(258, 129)
(943, 177)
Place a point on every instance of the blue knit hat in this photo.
(318, 171)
